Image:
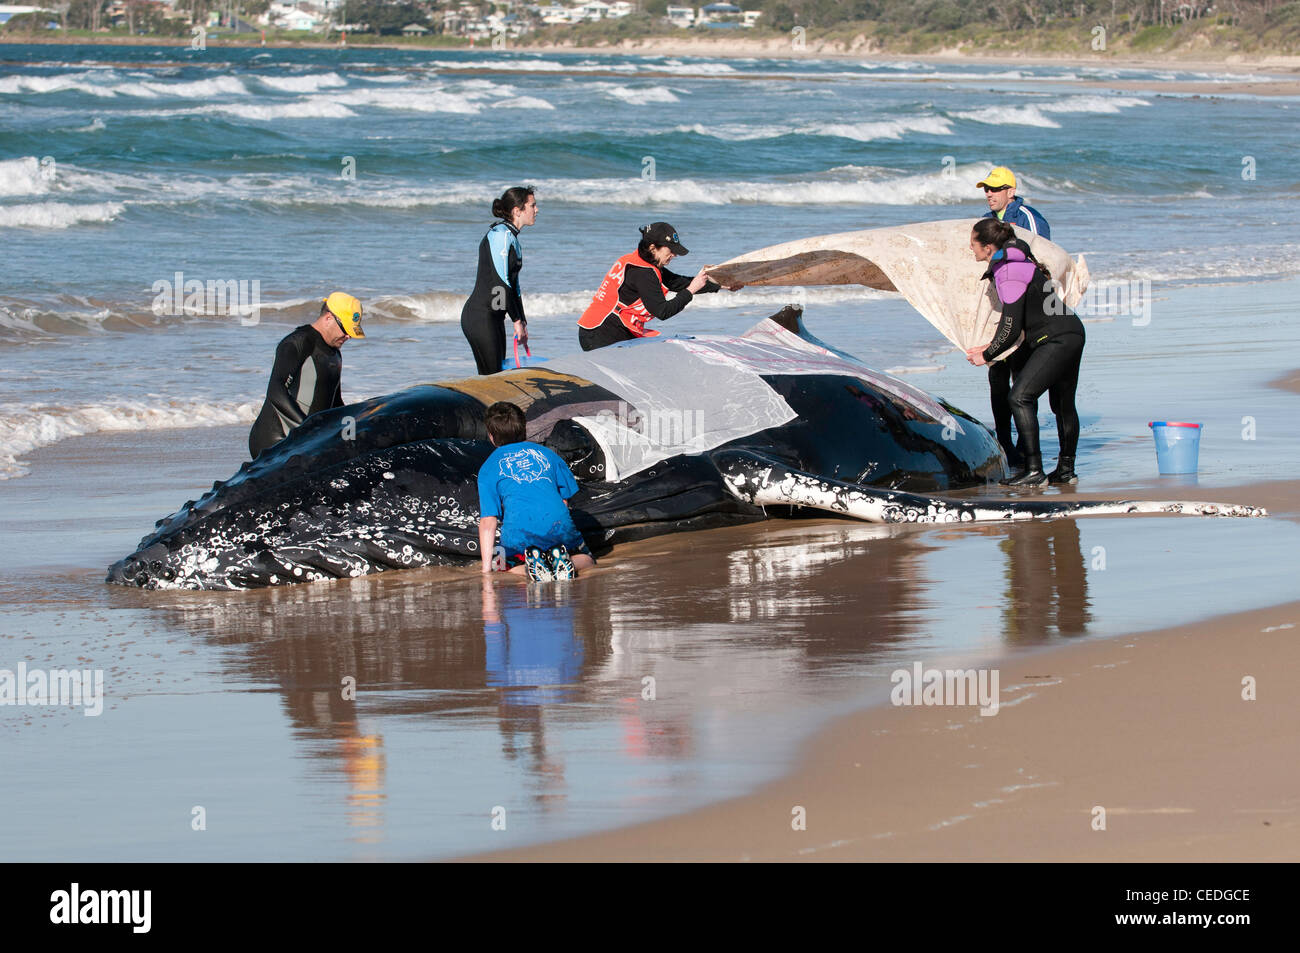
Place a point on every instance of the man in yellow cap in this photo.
(1000, 189)
(305, 378)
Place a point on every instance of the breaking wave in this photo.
(27, 427)
(57, 214)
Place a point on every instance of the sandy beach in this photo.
(1280, 73)
(831, 49)
(761, 636)
(1154, 730)
(697, 692)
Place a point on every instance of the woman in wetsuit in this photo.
(635, 291)
(496, 289)
(1053, 337)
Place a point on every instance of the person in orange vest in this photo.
(635, 291)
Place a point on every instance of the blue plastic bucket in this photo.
(1177, 446)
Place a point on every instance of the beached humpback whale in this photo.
(664, 435)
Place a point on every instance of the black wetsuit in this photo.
(1054, 342)
(495, 296)
(304, 381)
(1000, 375)
(640, 284)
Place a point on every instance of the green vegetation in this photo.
(1043, 27)
(27, 23)
(1028, 26)
(602, 32)
(386, 18)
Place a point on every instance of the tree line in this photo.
(940, 15)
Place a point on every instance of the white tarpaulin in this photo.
(676, 402)
(693, 394)
(930, 264)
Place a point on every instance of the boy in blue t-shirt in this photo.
(525, 487)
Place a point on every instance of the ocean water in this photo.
(373, 170)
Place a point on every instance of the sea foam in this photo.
(57, 214)
(26, 427)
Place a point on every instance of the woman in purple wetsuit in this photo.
(1052, 335)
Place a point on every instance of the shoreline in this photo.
(760, 637)
(829, 787)
(776, 48)
(903, 760)
(1281, 64)
(1097, 724)
(1283, 70)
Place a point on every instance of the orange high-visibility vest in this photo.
(634, 316)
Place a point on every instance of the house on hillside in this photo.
(720, 13)
(301, 20)
(681, 16)
(552, 12)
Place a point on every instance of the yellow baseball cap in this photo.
(999, 178)
(348, 310)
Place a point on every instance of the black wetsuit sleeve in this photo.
(1008, 329)
(641, 283)
(289, 358)
(515, 299)
(676, 282)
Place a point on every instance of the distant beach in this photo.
(1275, 74)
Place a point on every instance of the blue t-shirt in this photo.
(525, 485)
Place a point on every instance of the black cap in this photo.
(661, 233)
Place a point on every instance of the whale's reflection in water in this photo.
(685, 669)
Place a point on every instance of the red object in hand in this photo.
(527, 352)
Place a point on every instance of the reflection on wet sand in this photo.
(675, 647)
(533, 658)
(1046, 583)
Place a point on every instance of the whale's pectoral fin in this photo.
(765, 481)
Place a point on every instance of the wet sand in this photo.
(1155, 731)
(532, 700)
